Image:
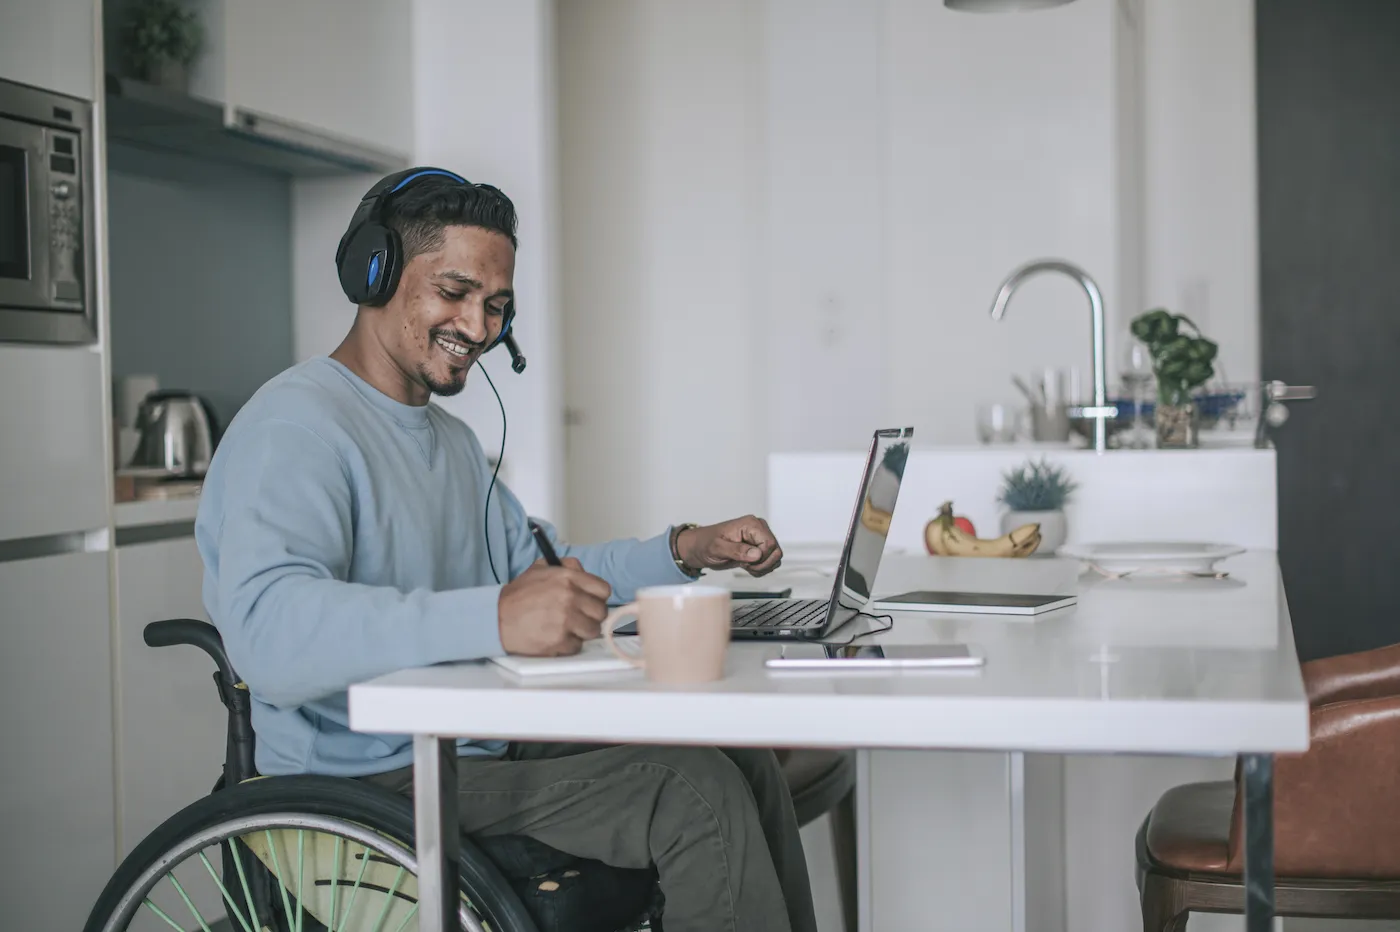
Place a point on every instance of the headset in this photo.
(369, 259)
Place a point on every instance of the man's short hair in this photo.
(421, 213)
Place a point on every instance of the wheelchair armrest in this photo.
(199, 634)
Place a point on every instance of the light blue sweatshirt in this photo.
(342, 538)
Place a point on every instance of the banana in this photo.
(946, 539)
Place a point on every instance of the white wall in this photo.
(661, 183)
(784, 221)
(1000, 132)
(1202, 207)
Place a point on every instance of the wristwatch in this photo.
(676, 555)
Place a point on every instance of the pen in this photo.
(542, 542)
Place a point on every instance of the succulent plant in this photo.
(1036, 487)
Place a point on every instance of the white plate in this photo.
(1156, 556)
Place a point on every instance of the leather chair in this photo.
(823, 782)
(1336, 813)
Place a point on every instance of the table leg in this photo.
(437, 832)
(1258, 772)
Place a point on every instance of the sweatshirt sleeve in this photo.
(627, 564)
(294, 628)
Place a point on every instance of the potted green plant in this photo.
(1182, 360)
(161, 39)
(1036, 493)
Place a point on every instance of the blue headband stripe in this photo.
(431, 171)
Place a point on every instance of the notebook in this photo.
(978, 603)
(593, 658)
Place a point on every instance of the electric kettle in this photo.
(177, 434)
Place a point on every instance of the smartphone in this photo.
(884, 657)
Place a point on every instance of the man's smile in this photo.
(452, 346)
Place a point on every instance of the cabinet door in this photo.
(170, 722)
(49, 44)
(340, 66)
(53, 471)
(56, 732)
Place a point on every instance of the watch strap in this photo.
(675, 553)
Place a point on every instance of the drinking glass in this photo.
(998, 422)
(1137, 379)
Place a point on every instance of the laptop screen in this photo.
(870, 524)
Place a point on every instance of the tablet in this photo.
(979, 603)
(883, 657)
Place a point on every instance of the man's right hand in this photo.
(549, 611)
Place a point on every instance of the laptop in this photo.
(860, 555)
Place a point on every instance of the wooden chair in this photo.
(1336, 813)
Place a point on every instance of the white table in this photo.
(1093, 679)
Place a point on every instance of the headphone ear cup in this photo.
(370, 265)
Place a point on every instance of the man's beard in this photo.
(446, 389)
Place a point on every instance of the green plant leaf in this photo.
(1036, 486)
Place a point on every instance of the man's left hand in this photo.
(745, 542)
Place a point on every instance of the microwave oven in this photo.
(46, 224)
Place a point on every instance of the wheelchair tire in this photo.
(255, 820)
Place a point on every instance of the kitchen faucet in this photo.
(1101, 410)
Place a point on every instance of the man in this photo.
(346, 532)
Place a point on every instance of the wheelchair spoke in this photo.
(301, 874)
(214, 875)
(175, 882)
(350, 903)
(413, 911)
(335, 881)
(242, 879)
(161, 913)
(277, 872)
(388, 901)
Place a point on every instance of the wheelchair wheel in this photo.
(292, 854)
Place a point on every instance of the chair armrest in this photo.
(1336, 805)
(1364, 675)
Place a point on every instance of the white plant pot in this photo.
(1053, 528)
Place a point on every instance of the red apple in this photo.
(965, 525)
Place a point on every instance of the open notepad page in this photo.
(593, 658)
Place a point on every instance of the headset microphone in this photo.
(517, 358)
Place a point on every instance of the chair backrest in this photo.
(233, 692)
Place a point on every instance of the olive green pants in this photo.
(718, 825)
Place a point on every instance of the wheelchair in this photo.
(310, 853)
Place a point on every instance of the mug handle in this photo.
(610, 622)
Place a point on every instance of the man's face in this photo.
(449, 307)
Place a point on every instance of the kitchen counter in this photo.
(156, 512)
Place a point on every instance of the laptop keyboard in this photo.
(779, 613)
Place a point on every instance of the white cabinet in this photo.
(170, 723)
(53, 471)
(56, 732)
(337, 67)
(49, 44)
